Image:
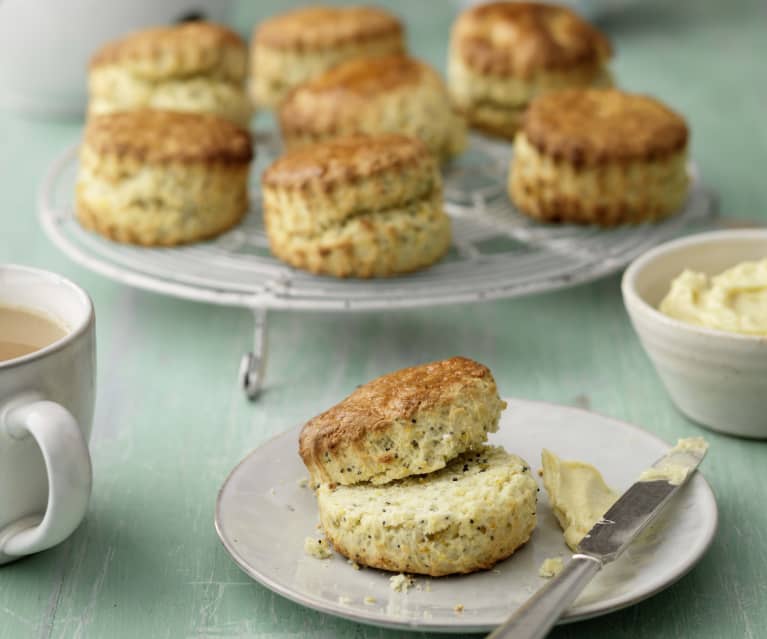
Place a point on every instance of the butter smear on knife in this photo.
(577, 493)
(673, 467)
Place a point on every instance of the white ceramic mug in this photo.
(46, 409)
(49, 78)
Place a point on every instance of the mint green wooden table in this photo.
(171, 421)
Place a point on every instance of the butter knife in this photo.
(606, 541)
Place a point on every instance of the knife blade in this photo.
(607, 540)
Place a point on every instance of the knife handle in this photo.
(537, 615)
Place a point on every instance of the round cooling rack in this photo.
(496, 253)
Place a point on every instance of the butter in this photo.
(551, 567)
(734, 301)
(675, 466)
(578, 495)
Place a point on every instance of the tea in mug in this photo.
(24, 331)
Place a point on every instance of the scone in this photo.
(599, 156)
(198, 67)
(504, 54)
(356, 207)
(162, 177)
(388, 94)
(468, 516)
(292, 48)
(409, 422)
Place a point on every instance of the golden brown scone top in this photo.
(398, 395)
(522, 38)
(592, 126)
(183, 49)
(344, 160)
(364, 77)
(321, 27)
(168, 136)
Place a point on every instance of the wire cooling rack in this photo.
(496, 253)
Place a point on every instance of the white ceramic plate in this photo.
(263, 516)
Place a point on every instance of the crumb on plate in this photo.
(317, 548)
(401, 582)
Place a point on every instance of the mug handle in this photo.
(68, 463)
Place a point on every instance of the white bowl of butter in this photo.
(709, 341)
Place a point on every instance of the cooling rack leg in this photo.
(253, 364)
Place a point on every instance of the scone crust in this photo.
(169, 136)
(162, 178)
(607, 194)
(381, 94)
(321, 27)
(381, 243)
(523, 38)
(587, 127)
(446, 407)
(179, 50)
(466, 517)
(363, 77)
(344, 161)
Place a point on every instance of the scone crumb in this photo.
(369, 601)
(317, 548)
(458, 608)
(551, 567)
(344, 600)
(401, 582)
(303, 482)
(495, 571)
(354, 564)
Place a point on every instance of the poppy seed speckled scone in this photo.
(408, 422)
(162, 177)
(504, 54)
(356, 207)
(197, 67)
(296, 46)
(599, 156)
(389, 94)
(465, 517)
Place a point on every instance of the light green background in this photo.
(171, 422)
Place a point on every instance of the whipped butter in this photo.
(578, 495)
(734, 301)
(551, 567)
(675, 466)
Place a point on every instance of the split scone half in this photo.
(504, 54)
(197, 67)
(161, 178)
(599, 156)
(408, 422)
(356, 207)
(385, 94)
(465, 517)
(293, 47)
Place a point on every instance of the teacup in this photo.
(46, 410)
